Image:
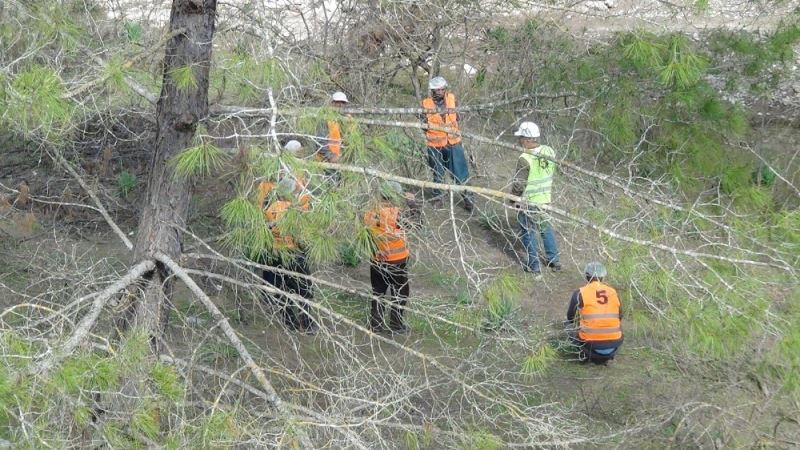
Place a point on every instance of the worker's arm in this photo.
(574, 303)
(322, 136)
(520, 177)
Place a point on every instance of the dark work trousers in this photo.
(587, 348)
(391, 277)
(295, 314)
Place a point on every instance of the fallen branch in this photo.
(257, 112)
(87, 322)
(100, 208)
(517, 411)
(272, 396)
(352, 437)
(322, 282)
(550, 208)
(267, 112)
(126, 65)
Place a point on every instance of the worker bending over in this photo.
(287, 254)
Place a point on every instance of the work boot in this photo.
(469, 205)
(377, 329)
(555, 266)
(533, 270)
(310, 330)
(402, 329)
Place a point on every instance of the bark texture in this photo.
(183, 103)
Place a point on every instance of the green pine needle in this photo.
(241, 213)
(200, 160)
(684, 67)
(184, 77)
(34, 101)
(540, 360)
(644, 51)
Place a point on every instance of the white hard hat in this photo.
(528, 130)
(285, 187)
(595, 270)
(293, 146)
(339, 96)
(437, 83)
(391, 190)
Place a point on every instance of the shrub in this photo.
(126, 183)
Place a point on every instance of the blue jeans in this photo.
(450, 157)
(533, 222)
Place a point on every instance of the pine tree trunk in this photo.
(182, 104)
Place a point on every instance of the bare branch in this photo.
(272, 396)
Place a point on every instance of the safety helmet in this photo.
(391, 190)
(595, 271)
(285, 188)
(339, 96)
(437, 83)
(294, 147)
(527, 130)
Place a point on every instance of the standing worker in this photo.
(533, 181)
(331, 132)
(288, 255)
(594, 317)
(387, 224)
(445, 150)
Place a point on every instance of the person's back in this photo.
(595, 312)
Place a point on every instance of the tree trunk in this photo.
(182, 104)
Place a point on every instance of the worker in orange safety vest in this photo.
(387, 224)
(445, 150)
(329, 132)
(266, 187)
(287, 254)
(594, 317)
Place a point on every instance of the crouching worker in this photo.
(594, 317)
(387, 224)
(288, 255)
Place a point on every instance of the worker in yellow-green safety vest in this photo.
(533, 181)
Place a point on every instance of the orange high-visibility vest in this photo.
(388, 235)
(449, 120)
(334, 139)
(599, 316)
(266, 186)
(273, 214)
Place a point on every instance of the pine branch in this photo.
(272, 396)
(56, 155)
(517, 411)
(268, 112)
(549, 208)
(88, 321)
(327, 421)
(604, 178)
(322, 282)
(126, 65)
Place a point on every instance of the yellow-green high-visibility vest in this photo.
(540, 176)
